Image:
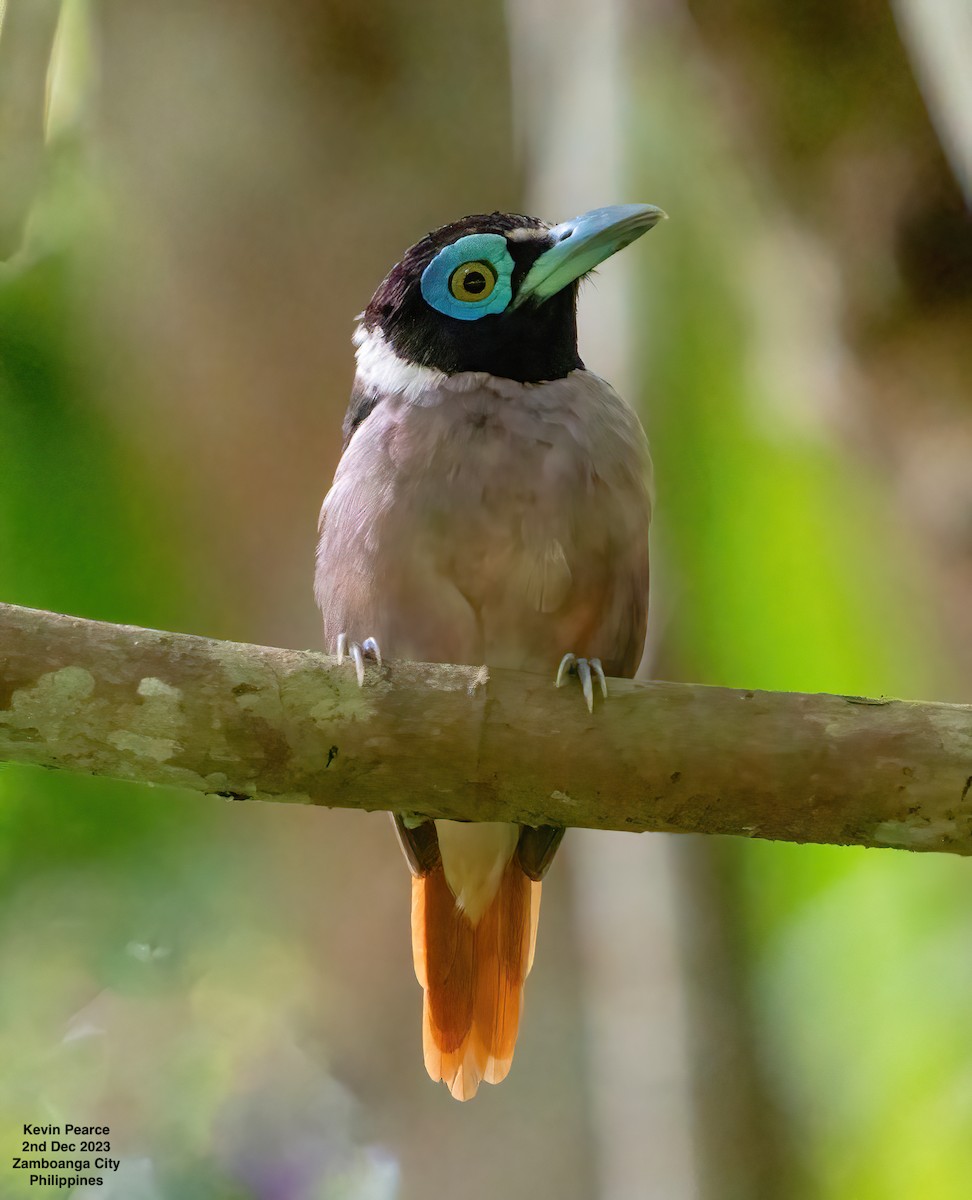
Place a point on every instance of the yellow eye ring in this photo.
(472, 281)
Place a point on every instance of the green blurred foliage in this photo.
(781, 552)
(145, 974)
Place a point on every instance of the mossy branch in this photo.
(253, 722)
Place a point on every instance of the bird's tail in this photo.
(473, 977)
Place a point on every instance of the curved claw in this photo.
(358, 657)
(584, 675)
(586, 670)
(358, 651)
(565, 664)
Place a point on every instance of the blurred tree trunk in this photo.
(938, 34)
(27, 29)
(670, 1122)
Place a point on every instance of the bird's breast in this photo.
(521, 504)
(514, 486)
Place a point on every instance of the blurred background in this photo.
(196, 198)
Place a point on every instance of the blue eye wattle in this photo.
(471, 278)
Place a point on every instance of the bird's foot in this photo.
(586, 670)
(358, 652)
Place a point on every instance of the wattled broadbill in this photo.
(491, 506)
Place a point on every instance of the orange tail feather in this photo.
(473, 977)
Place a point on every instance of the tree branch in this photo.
(253, 722)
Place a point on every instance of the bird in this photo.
(491, 506)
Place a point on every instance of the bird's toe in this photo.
(586, 670)
(358, 652)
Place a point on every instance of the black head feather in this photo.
(530, 343)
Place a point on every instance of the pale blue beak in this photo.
(580, 244)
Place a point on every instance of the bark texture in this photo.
(255, 722)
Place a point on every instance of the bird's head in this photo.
(497, 292)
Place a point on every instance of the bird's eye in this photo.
(470, 278)
(472, 281)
